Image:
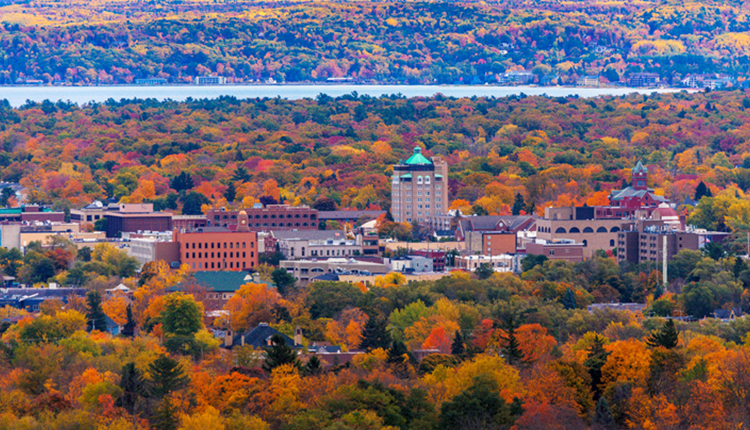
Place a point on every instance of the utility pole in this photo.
(664, 261)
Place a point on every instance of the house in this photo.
(726, 315)
(260, 337)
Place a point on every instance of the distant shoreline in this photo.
(18, 95)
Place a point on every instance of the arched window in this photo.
(574, 230)
(419, 179)
(611, 242)
(427, 180)
(588, 230)
(585, 242)
(601, 230)
(560, 230)
(614, 229)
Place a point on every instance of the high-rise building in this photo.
(419, 188)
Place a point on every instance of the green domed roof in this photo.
(417, 158)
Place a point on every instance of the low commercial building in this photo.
(499, 263)
(437, 257)
(561, 249)
(410, 264)
(578, 224)
(307, 269)
(148, 249)
(351, 217)
(313, 243)
(31, 214)
(135, 218)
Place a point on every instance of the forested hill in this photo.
(118, 42)
(550, 151)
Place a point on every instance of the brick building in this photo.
(566, 250)
(419, 188)
(271, 217)
(217, 248)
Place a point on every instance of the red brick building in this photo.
(271, 217)
(216, 248)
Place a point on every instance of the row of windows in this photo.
(218, 245)
(218, 255)
(218, 265)
(266, 216)
(577, 230)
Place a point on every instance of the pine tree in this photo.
(518, 205)
(166, 416)
(230, 192)
(128, 330)
(167, 375)
(603, 416)
(597, 357)
(397, 353)
(97, 320)
(511, 348)
(458, 347)
(279, 353)
(133, 388)
(569, 299)
(700, 191)
(666, 337)
(313, 366)
(375, 334)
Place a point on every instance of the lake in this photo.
(17, 96)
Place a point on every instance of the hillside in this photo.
(119, 42)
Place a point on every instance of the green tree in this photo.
(511, 347)
(375, 334)
(182, 182)
(279, 353)
(666, 337)
(518, 204)
(484, 271)
(128, 330)
(327, 299)
(458, 347)
(133, 388)
(283, 280)
(192, 203)
(231, 192)
(97, 320)
(569, 299)
(313, 366)
(481, 407)
(182, 315)
(595, 360)
(700, 191)
(166, 376)
(603, 416)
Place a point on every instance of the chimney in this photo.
(297, 336)
(228, 339)
(242, 340)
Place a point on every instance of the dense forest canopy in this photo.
(552, 151)
(118, 42)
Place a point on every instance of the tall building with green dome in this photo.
(419, 188)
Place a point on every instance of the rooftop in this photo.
(417, 158)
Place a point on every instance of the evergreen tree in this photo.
(95, 315)
(283, 280)
(182, 182)
(313, 366)
(133, 388)
(518, 204)
(595, 360)
(481, 406)
(458, 347)
(128, 330)
(484, 271)
(279, 353)
(375, 334)
(511, 348)
(166, 416)
(569, 299)
(241, 175)
(667, 336)
(397, 353)
(167, 375)
(603, 416)
(701, 191)
(230, 193)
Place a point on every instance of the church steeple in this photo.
(640, 177)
